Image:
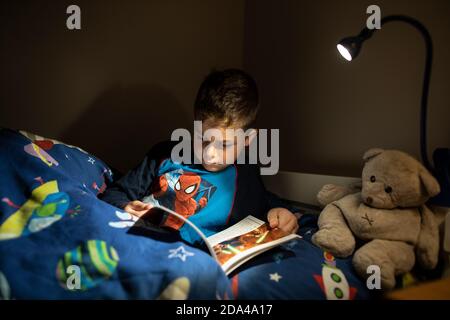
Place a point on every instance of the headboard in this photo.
(302, 187)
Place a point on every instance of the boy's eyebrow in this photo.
(228, 140)
(232, 139)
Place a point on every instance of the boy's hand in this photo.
(137, 208)
(284, 219)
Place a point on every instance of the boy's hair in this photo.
(229, 98)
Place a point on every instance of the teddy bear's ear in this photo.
(429, 182)
(372, 153)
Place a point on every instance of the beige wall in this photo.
(329, 111)
(130, 75)
(124, 81)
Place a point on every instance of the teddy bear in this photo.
(387, 223)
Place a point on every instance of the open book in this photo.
(241, 242)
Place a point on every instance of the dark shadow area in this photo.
(124, 122)
(145, 228)
(150, 226)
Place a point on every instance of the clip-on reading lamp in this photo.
(350, 47)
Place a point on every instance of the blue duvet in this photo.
(59, 241)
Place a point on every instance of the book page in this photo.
(230, 261)
(245, 256)
(242, 241)
(246, 225)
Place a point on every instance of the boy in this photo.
(213, 194)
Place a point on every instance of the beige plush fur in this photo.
(389, 216)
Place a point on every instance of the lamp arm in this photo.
(367, 33)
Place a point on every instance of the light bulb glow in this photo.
(344, 52)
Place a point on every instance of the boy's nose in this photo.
(210, 154)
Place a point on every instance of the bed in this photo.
(59, 241)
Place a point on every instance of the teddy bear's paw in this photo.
(387, 283)
(427, 259)
(331, 192)
(334, 242)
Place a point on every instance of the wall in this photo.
(330, 111)
(122, 82)
(130, 75)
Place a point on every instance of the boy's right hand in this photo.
(137, 208)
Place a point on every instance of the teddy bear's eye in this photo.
(388, 189)
(372, 179)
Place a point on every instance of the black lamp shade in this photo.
(349, 47)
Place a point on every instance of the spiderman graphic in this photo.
(185, 189)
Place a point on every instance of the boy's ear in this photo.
(250, 136)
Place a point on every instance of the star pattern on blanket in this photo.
(180, 252)
(275, 277)
(91, 160)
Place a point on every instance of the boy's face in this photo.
(220, 146)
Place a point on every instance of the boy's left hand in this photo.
(284, 219)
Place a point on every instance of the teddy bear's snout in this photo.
(376, 200)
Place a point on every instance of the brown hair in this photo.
(228, 97)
